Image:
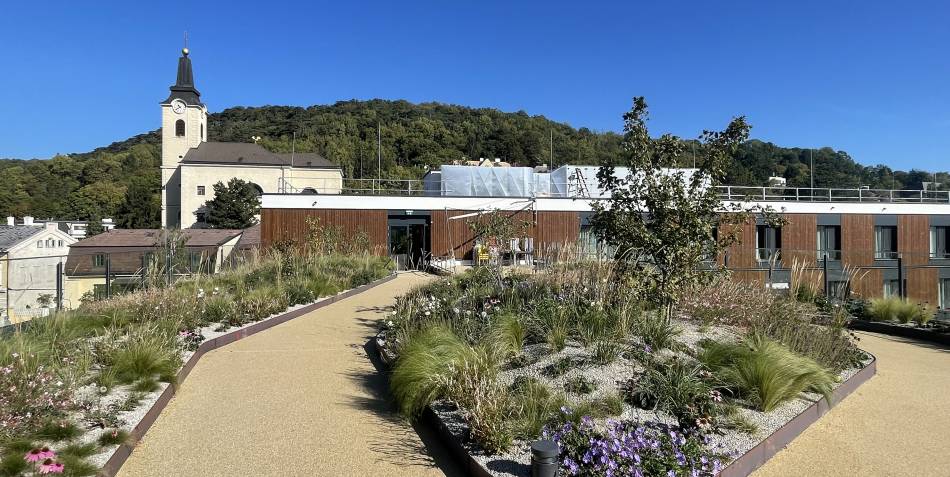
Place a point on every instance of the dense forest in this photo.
(122, 180)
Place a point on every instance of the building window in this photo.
(829, 242)
(195, 261)
(39, 244)
(201, 190)
(885, 242)
(943, 293)
(768, 242)
(938, 242)
(179, 128)
(50, 243)
(840, 289)
(98, 260)
(200, 217)
(891, 288)
(59, 243)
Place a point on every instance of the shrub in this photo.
(580, 385)
(298, 291)
(486, 404)
(765, 372)
(554, 323)
(56, 431)
(606, 350)
(263, 302)
(423, 367)
(221, 309)
(630, 448)
(924, 315)
(678, 388)
(30, 394)
(793, 324)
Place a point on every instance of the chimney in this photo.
(11, 221)
(52, 226)
(27, 220)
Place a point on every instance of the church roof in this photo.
(252, 154)
(184, 87)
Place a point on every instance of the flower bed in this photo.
(99, 369)
(573, 354)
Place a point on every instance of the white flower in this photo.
(484, 314)
(456, 310)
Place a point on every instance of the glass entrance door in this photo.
(409, 242)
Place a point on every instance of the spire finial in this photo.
(184, 50)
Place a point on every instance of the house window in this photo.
(768, 242)
(829, 242)
(195, 260)
(98, 260)
(201, 190)
(943, 293)
(938, 242)
(39, 244)
(200, 217)
(50, 243)
(891, 288)
(59, 243)
(179, 128)
(885, 242)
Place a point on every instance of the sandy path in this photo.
(301, 398)
(896, 424)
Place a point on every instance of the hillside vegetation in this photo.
(122, 180)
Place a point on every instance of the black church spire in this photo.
(184, 87)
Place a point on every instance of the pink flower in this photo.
(50, 467)
(34, 455)
(47, 453)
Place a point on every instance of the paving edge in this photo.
(122, 453)
(741, 467)
(902, 331)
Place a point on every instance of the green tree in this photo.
(142, 208)
(663, 221)
(234, 206)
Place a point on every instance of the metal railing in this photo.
(808, 194)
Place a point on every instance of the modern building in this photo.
(29, 255)
(873, 242)
(129, 258)
(191, 165)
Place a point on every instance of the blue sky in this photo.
(867, 77)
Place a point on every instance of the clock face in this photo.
(178, 107)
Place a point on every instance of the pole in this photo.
(824, 268)
(900, 277)
(379, 152)
(108, 275)
(811, 169)
(552, 149)
(544, 462)
(59, 285)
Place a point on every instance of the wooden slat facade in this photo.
(799, 241)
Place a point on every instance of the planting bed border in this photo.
(902, 331)
(112, 466)
(741, 467)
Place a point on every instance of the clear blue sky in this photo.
(867, 77)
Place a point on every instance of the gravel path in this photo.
(301, 398)
(896, 424)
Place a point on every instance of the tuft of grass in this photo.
(508, 333)
(145, 385)
(143, 357)
(56, 431)
(13, 465)
(535, 407)
(678, 388)
(113, 437)
(580, 385)
(608, 405)
(221, 309)
(765, 372)
(425, 363)
(75, 466)
(656, 330)
(79, 450)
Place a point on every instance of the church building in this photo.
(191, 164)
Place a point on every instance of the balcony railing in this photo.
(807, 194)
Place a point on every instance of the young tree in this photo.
(663, 221)
(234, 206)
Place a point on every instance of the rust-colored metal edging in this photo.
(122, 453)
(765, 450)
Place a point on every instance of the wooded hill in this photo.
(122, 180)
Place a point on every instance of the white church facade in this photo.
(191, 164)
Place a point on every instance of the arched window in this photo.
(202, 132)
(179, 128)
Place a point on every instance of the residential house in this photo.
(130, 258)
(29, 254)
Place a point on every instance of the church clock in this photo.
(178, 106)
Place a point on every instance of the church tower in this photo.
(184, 126)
